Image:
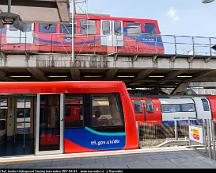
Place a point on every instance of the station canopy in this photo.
(39, 10)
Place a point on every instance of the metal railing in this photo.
(176, 133)
(144, 44)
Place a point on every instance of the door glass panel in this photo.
(49, 132)
(23, 124)
(117, 27)
(106, 27)
(3, 118)
(74, 114)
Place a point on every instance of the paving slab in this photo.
(141, 159)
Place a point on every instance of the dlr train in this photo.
(93, 33)
(158, 111)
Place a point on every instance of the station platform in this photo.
(168, 157)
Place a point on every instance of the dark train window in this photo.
(188, 107)
(205, 105)
(2, 124)
(138, 106)
(117, 27)
(106, 27)
(88, 27)
(149, 106)
(150, 28)
(74, 115)
(106, 111)
(66, 28)
(47, 28)
(29, 27)
(172, 108)
(133, 29)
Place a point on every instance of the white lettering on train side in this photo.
(108, 142)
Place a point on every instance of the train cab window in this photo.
(205, 105)
(189, 107)
(133, 29)
(117, 27)
(47, 28)
(106, 27)
(74, 117)
(106, 111)
(138, 106)
(150, 28)
(88, 27)
(149, 106)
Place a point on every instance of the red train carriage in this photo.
(61, 117)
(93, 34)
(158, 111)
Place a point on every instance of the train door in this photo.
(15, 36)
(112, 33)
(153, 113)
(202, 108)
(17, 125)
(49, 124)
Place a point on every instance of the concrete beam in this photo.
(3, 77)
(110, 74)
(181, 88)
(143, 74)
(37, 74)
(63, 10)
(200, 75)
(39, 10)
(172, 75)
(75, 74)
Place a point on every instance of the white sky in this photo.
(175, 17)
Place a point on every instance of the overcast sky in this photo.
(176, 17)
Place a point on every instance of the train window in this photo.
(150, 28)
(188, 107)
(73, 111)
(171, 108)
(133, 29)
(205, 105)
(66, 28)
(138, 106)
(28, 29)
(149, 106)
(3, 108)
(106, 111)
(2, 124)
(88, 27)
(117, 27)
(106, 27)
(47, 28)
(12, 28)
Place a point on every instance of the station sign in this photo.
(196, 133)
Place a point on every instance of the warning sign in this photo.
(196, 133)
